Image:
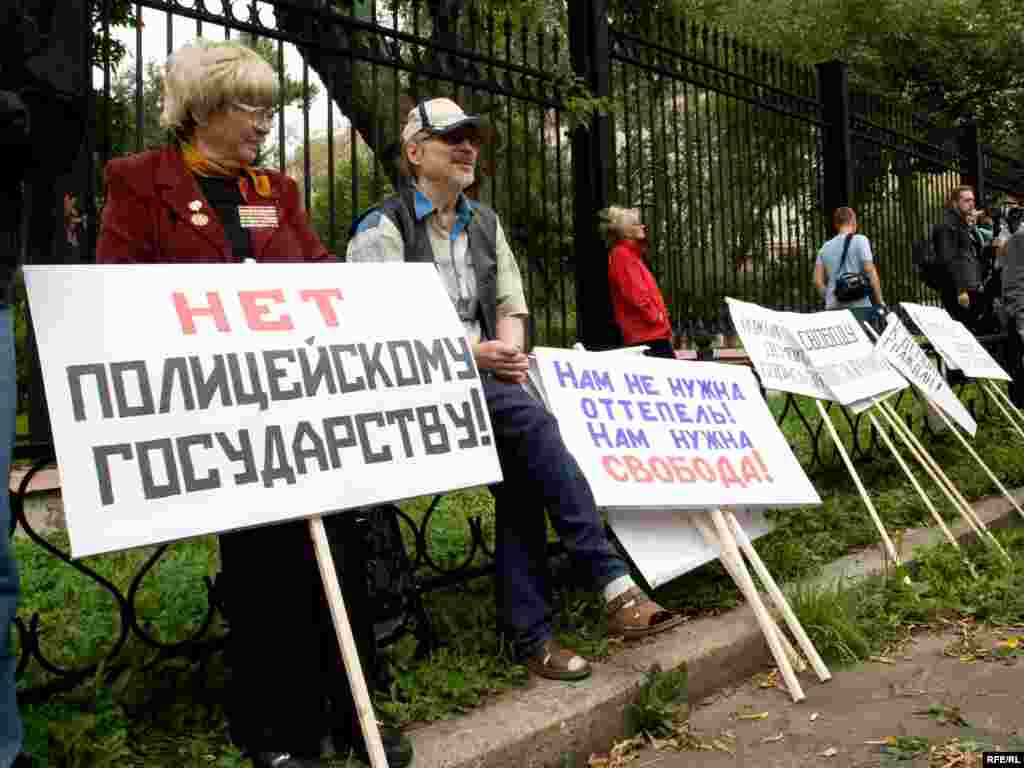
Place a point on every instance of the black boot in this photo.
(284, 760)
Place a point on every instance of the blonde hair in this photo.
(612, 221)
(204, 76)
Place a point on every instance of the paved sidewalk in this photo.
(557, 725)
(841, 722)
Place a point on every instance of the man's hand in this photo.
(506, 361)
(963, 299)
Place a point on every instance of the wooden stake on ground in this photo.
(727, 544)
(989, 388)
(981, 462)
(778, 598)
(893, 555)
(931, 466)
(347, 643)
(1006, 399)
(733, 569)
(920, 491)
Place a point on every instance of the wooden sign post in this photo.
(729, 537)
(872, 512)
(920, 492)
(934, 471)
(347, 644)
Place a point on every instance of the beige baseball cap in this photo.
(440, 116)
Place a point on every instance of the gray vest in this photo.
(482, 249)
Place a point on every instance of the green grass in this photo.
(847, 625)
(172, 715)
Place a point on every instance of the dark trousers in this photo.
(951, 303)
(660, 348)
(1015, 359)
(287, 687)
(539, 473)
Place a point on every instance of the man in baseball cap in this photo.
(432, 220)
(440, 117)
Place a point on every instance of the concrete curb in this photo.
(558, 725)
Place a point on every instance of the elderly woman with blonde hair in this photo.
(639, 307)
(201, 200)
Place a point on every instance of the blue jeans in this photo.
(539, 473)
(10, 721)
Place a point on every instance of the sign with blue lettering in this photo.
(651, 432)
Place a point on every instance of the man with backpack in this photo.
(957, 254)
(432, 220)
(845, 273)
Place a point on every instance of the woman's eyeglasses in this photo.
(256, 114)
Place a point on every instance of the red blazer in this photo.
(638, 305)
(148, 217)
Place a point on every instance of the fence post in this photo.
(592, 168)
(837, 158)
(972, 163)
(59, 79)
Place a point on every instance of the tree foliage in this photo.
(952, 62)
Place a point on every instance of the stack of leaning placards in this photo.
(825, 356)
(692, 441)
(960, 350)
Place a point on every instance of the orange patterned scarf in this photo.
(200, 165)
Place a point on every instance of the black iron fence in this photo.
(736, 156)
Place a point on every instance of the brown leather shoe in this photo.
(557, 663)
(633, 615)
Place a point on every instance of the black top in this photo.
(224, 197)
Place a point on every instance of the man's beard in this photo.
(462, 177)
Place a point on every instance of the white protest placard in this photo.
(974, 359)
(844, 356)
(650, 432)
(955, 343)
(778, 357)
(934, 323)
(193, 399)
(663, 543)
(909, 359)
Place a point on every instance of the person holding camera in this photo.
(845, 273)
(957, 248)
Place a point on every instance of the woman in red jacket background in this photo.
(639, 307)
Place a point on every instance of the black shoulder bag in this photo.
(851, 286)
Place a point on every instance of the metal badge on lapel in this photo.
(257, 216)
(200, 219)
